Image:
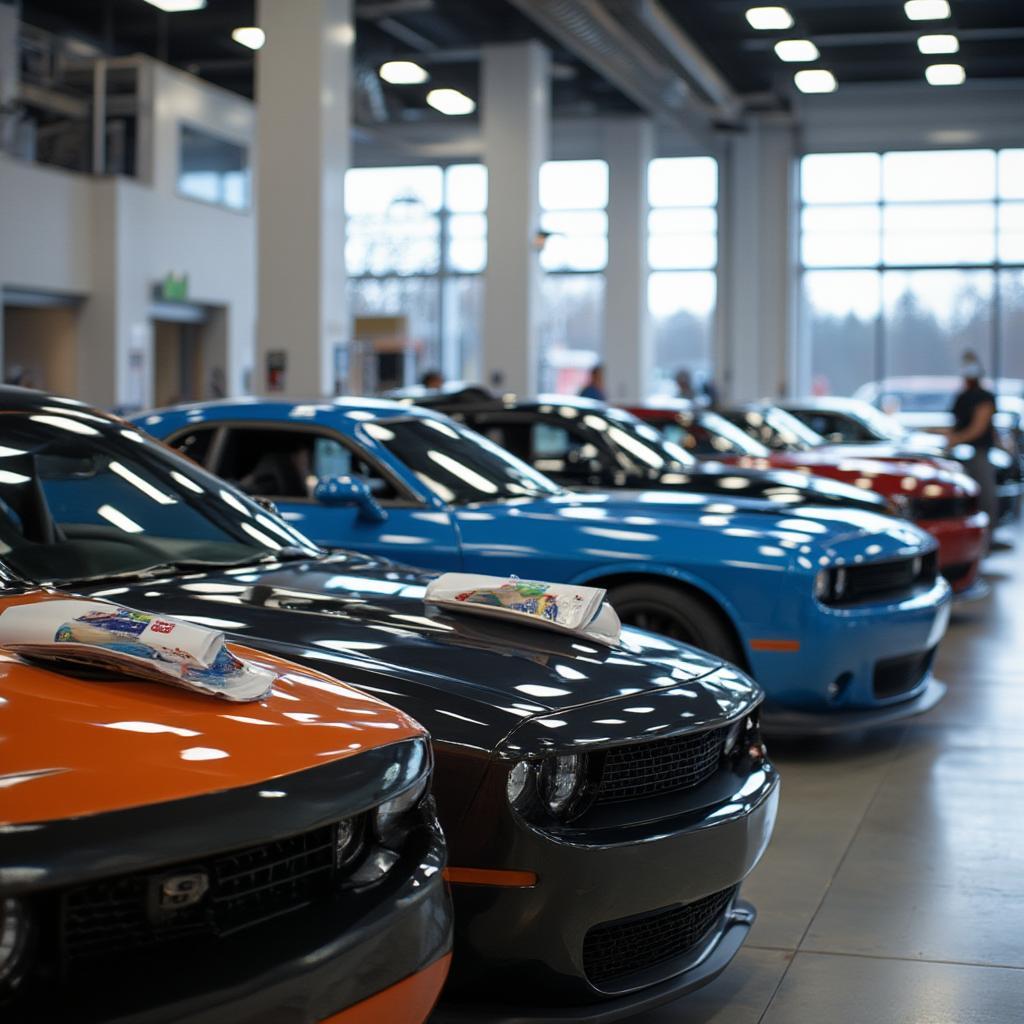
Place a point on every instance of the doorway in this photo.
(189, 349)
(40, 346)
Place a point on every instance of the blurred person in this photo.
(432, 380)
(684, 385)
(595, 384)
(972, 424)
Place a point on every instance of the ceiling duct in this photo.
(619, 40)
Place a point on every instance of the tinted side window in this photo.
(196, 443)
(288, 464)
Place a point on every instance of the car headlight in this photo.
(392, 814)
(561, 779)
(14, 926)
(348, 841)
(517, 785)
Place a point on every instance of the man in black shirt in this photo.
(972, 414)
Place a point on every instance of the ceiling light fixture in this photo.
(177, 6)
(926, 10)
(938, 44)
(815, 80)
(450, 101)
(945, 74)
(403, 72)
(794, 51)
(767, 18)
(250, 36)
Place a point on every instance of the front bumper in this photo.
(304, 968)
(962, 545)
(719, 955)
(785, 722)
(843, 651)
(531, 940)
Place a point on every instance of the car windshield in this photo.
(883, 426)
(635, 443)
(457, 464)
(777, 429)
(83, 498)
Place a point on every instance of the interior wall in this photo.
(41, 345)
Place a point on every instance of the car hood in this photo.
(75, 746)
(469, 679)
(883, 469)
(718, 480)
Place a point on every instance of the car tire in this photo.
(675, 613)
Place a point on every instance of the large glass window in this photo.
(574, 205)
(416, 248)
(909, 259)
(213, 169)
(682, 252)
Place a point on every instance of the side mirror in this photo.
(267, 505)
(339, 491)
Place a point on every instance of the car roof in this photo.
(314, 410)
(839, 403)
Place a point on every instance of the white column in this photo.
(757, 273)
(516, 121)
(629, 148)
(303, 94)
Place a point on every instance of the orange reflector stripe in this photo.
(485, 876)
(775, 645)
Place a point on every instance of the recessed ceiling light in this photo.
(769, 17)
(250, 35)
(450, 101)
(815, 80)
(926, 10)
(945, 74)
(403, 72)
(795, 50)
(177, 6)
(938, 44)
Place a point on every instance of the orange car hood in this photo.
(72, 747)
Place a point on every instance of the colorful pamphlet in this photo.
(107, 637)
(570, 609)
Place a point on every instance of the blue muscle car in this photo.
(831, 609)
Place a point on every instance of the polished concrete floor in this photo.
(893, 890)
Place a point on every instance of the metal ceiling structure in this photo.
(695, 61)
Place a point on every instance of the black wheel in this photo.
(674, 613)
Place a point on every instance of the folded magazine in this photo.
(582, 611)
(107, 637)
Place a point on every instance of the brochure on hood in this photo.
(582, 611)
(110, 638)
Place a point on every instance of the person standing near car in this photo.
(972, 424)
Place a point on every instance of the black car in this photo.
(602, 805)
(581, 443)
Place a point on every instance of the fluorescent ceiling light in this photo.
(177, 6)
(250, 35)
(403, 72)
(945, 74)
(795, 50)
(815, 80)
(926, 10)
(450, 101)
(769, 17)
(938, 44)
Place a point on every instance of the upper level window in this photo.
(213, 169)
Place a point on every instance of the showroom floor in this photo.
(891, 892)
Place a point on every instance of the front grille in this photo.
(890, 579)
(901, 675)
(943, 508)
(133, 914)
(615, 949)
(666, 765)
